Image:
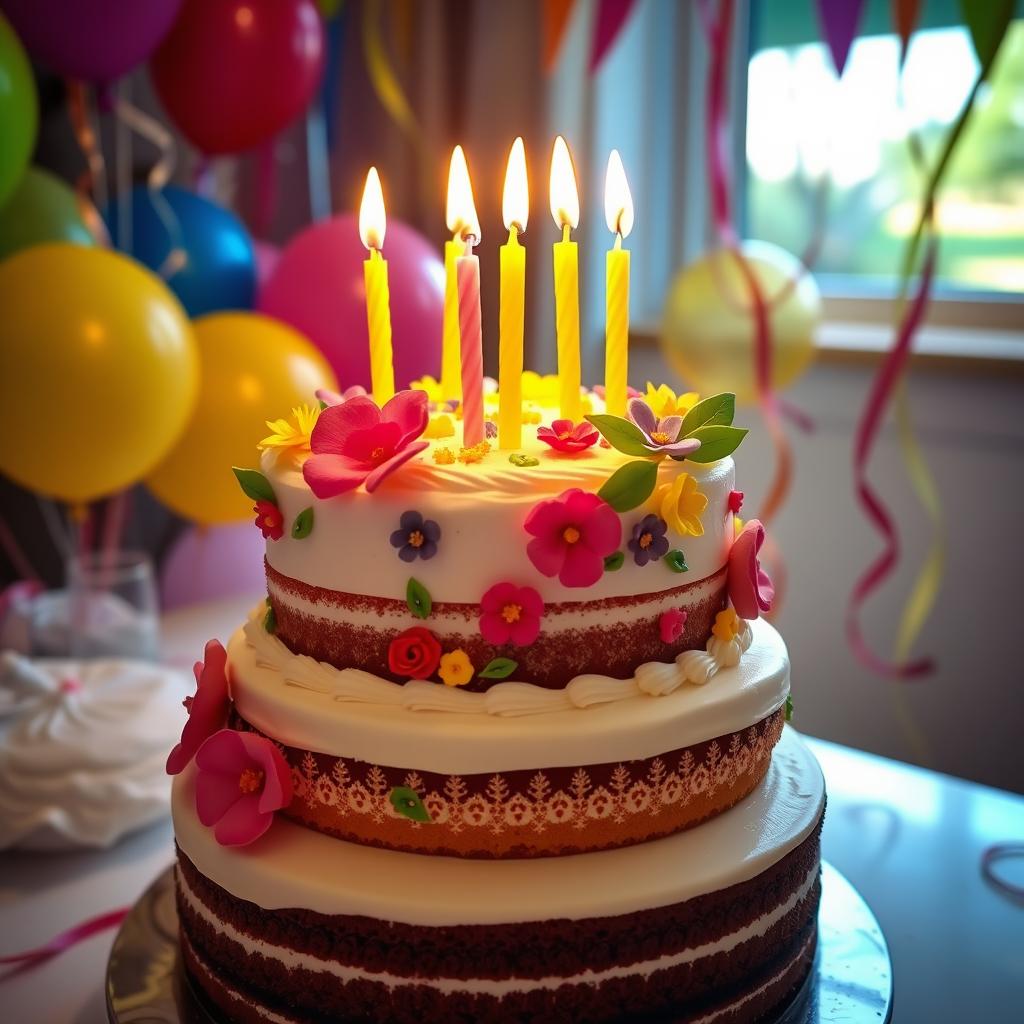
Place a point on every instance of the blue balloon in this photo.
(218, 263)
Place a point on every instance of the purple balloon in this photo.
(207, 564)
(98, 40)
(318, 288)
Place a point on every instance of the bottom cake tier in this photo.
(715, 924)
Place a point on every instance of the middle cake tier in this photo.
(518, 771)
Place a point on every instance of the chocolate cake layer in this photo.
(726, 955)
(532, 812)
(609, 636)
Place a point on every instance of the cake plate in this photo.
(851, 980)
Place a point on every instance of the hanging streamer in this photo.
(556, 20)
(154, 132)
(611, 19)
(90, 186)
(839, 20)
(382, 76)
(904, 18)
(63, 942)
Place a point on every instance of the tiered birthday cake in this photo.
(506, 741)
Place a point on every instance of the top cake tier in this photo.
(539, 564)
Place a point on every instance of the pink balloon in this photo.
(268, 256)
(213, 563)
(317, 287)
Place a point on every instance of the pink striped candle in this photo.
(467, 269)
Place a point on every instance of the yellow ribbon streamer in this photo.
(382, 76)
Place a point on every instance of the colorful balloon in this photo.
(41, 209)
(98, 40)
(318, 288)
(98, 370)
(708, 330)
(252, 369)
(233, 73)
(19, 111)
(219, 264)
(210, 563)
(268, 256)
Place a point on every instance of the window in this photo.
(810, 135)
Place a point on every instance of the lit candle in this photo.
(618, 213)
(515, 207)
(467, 272)
(372, 225)
(451, 359)
(565, 209)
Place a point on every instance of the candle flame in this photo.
(461, 210)
(515, 200)
(565, 199)
(618, 201)
(372, 220)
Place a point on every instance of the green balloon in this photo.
(40, 209)
(19, 113)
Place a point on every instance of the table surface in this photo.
(910, 840)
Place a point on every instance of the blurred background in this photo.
(738, 100)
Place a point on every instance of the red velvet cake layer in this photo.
(609, 637)
(730, 955)
(534, 812)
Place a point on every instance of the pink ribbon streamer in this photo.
(611, 19)
(839, 20)
(61, 943)
(867, 432)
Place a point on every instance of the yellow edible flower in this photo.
(737, 525)
(443, 456)
(665, 402)
(293, 433)
(727, 624)
(440, 426)
(475, 453)
(431, 386)
(456, 669)
(681, 505)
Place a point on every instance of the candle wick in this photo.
(565, 231)
(618, 239)
(515, 229)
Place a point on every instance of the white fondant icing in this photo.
(82, 763)
(292, 866)
(480, 509)
(498, 988)
(306, 704)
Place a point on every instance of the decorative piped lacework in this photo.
(620, 803)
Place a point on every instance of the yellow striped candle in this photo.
(372, 226)
(565, 209)
(618, 211)
(451, 379)
(515, 210)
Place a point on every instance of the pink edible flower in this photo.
(659, 434)
(242, 779)
(329, 397)
(566, 436)
(269, 519)
(572, 536)
(670, 625)
(750, 590)
(207, 710)
(735, 502)
(511, 614)
(357, 442)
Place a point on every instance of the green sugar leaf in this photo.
(789, 708)
(417, 597)
(499, 668)
(613, 563)
(718, 410)
(408, 804)
(303, 525)
(676, 561)
(630, 485)
(255, 484)
(716, 442)
(621, 433)
(523, 460)
(270, 619)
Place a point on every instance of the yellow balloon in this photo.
(708, 331)
(98, 370)
(252, 369)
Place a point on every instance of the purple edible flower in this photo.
(660, 434)
(416, 537)
(649, 542)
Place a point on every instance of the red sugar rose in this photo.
(414, 654)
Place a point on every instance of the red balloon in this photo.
(233, 73)
(317, 287)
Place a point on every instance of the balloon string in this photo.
(61, 943)
(92, 180)
(16, 554)
(154, 132)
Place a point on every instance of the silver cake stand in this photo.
(851, 980)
